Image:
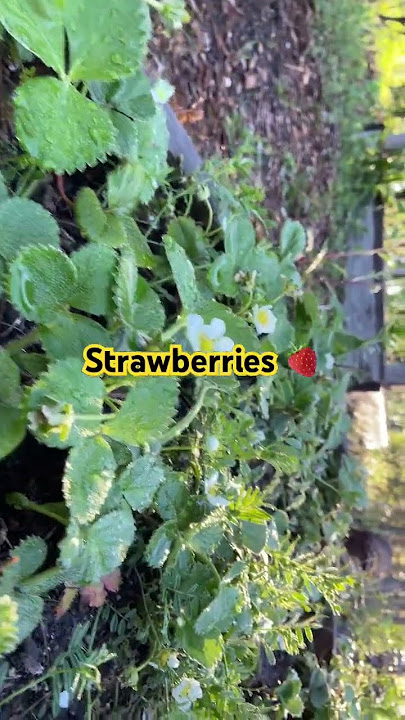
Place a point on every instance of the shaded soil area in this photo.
(257, 60)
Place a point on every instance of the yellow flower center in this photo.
(206, 344)
(263, 317)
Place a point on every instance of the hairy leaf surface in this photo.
(8, 624)
(10, 384)
(183, 273)
(100, 548)
(141, 480)
(68, 334)
(29, 608)
(41, 281)
(95, 268)
(89, 474)
(147, 412)
(24, 222)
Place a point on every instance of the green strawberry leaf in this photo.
(95, 267)
(106, 41)
(31, 554)
(206, 536)
(126, 280)
(37, 25)
(242, 256)
(10, 383)
(3, 189)
(158, 548)
(191, 238)
(206, 651)
(172, 496)
(219, 615)
(344, 343)
(59, 127)
(284, 458)
(254, 536)
(24, 222)
(89, 214)
(122, 187)
(26, 558)
(126, 141)
(133, 97)
(183, 274)
(13, 428)
(150, 315)
(138, 243)
(239, 236)
(29, 609)
(98, 549)
(41, 281)
(68, 334)
(88, 477)
(292, 239)
(140, 481)
(147, 166)
(8, 624)
(147, 412)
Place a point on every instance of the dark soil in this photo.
(256, 59)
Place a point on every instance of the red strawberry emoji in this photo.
(303, 362)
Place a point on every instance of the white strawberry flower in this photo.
(210, 487)
(212, 444)
(64, 700)
(264, 320)
(208, 338)
(186, 693)
(329, 361)
(173, 661)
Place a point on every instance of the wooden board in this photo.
(363, 304)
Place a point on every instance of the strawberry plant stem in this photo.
(188, 419)
(21, 343)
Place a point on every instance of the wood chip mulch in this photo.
(256, 59)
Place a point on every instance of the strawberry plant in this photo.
(203, 487)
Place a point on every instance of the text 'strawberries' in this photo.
(303, 362)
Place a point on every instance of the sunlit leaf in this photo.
(60, 128)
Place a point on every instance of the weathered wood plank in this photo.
(363, 303)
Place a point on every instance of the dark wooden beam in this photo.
(394, 374)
